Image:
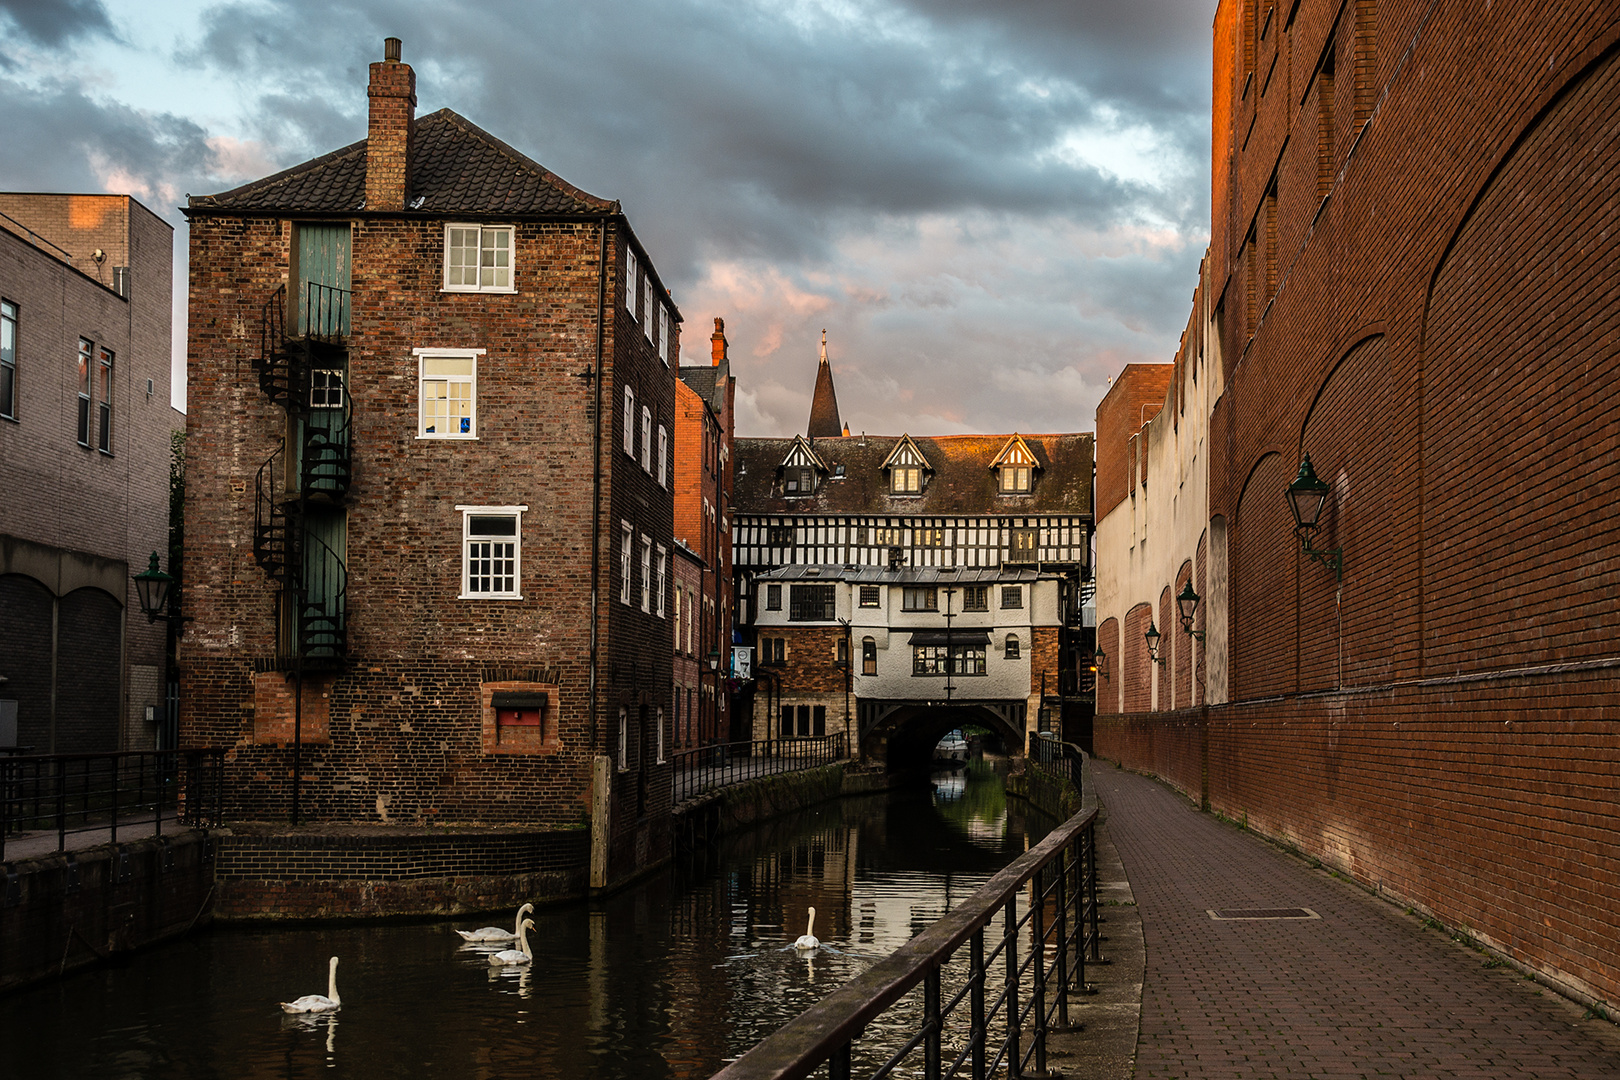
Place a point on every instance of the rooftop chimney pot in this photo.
(391, 49)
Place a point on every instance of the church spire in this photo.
(824, 422)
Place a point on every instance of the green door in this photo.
(323, 279)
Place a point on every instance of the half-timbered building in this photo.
(834, 534)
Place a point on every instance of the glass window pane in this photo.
(490, 525)
(463, 366)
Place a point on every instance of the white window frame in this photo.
(646, 440)
(631, 285)
(8, 357)
(422, 358)
(630, 421)
(663, 334)
(624, 738)
(658, 581)
(649, 325)
(663, 456)
(627, 540)
(468, 538)
(646, 572)
(479, 231)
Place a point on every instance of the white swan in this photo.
(519, 955)
(807, 941)
(495, 933)
(318, 1003)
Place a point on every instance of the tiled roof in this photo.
(456, 168)
(702, 379)
(961, 481)
(824, 421)
(906, 575)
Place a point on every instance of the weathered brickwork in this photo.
(410, 736)
(1405, 281)
(370, 873)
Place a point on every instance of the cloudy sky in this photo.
(991, 207)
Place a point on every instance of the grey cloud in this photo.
(54, 23)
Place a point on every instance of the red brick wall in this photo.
(1109, 680)
(1431, 335)
(1135, 668)
(406, 730)
(1134, 399)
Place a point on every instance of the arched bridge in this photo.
(901, 734)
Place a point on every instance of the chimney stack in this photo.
(717, 342)
(389, 134)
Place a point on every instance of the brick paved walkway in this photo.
(1364, 991)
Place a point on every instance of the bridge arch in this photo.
(901, 735)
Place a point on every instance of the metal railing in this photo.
(987, 1014)
(723, 764)
(133, 792)
(1060, 760)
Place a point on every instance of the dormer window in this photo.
(1015, 479)
(799, 480)
(905, 465)
(905, 480)
(1015, 467)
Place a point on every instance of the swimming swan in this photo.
(318, 1003)
(807, 941)
(495, 933)
(519, 955)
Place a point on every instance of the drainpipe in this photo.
(596, 473)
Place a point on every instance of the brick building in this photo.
(1415, 221)
(705, 401)
(85, 440)
(852, 551)
(430, 510)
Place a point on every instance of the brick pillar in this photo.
(388, 135)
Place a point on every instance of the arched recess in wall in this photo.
(1182, 661)
(1360, 425)
(1521, 400)
(1165, 620)
(88, 692)
(1136, 671)
(1264, 557)
(25, 657)
(1109, 682)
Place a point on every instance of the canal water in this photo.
(671, 978)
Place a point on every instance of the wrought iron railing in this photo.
(1060, 760)
(274, 545)
(131, 793)
(983, 1000)
(723, 764)
(323, 312)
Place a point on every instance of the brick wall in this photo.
(371, 873)
(74, 505)
(1435, 724)
(1135, 398)
(406, 714)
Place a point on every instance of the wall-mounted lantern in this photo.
(1187, 605)
(152, 588)
(1307, 498)
(1099, 661)
(1152, 637)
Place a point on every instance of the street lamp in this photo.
(152, 589)
(1307, 498)
(1152, 637)
(1187, 605)
(1099, 662)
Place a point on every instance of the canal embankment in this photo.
(72, 909)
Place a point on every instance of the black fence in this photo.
(984, 986)
(1059, 760)
(131, 793)
(723, 764)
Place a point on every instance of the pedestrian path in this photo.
(1361, 990)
